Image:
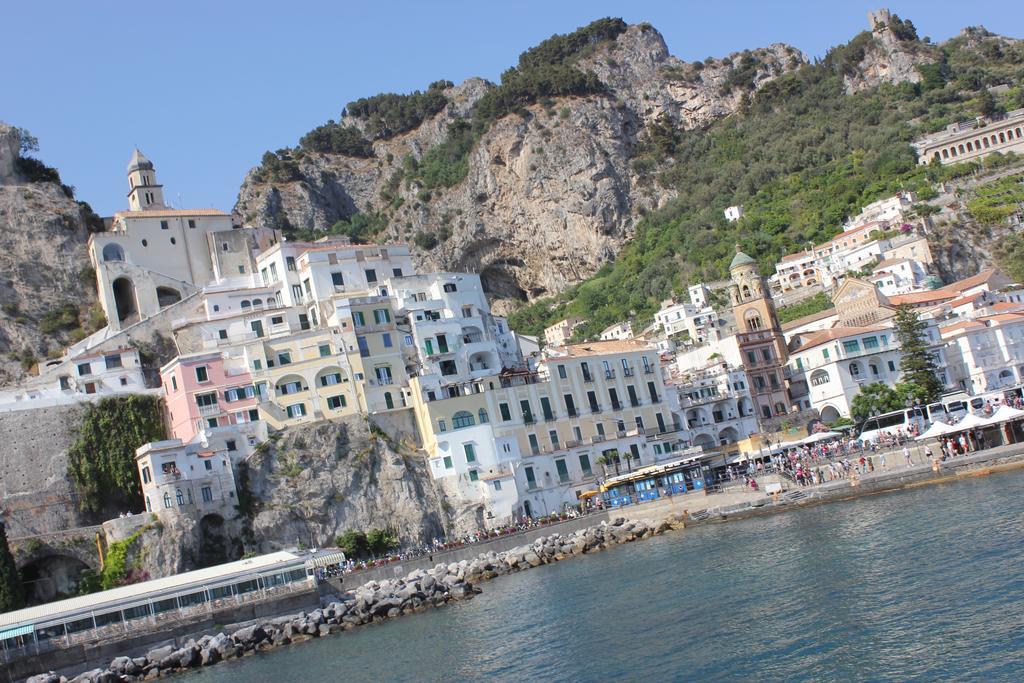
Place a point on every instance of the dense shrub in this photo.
(390, 114)
(335, 138)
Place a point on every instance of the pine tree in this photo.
(12, 592)
(920, 371)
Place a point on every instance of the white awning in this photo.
(1006, 413)
(326, 560)
(970, 421)
(936, 430)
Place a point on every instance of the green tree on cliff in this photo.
(920, 371)
(12, 592)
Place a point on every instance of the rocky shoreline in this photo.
(373, 602)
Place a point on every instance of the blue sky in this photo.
(204, 88)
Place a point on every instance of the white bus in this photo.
(902, 420)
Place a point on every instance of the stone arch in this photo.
(829, 414)
(1006, 375)
(125, 300)
(52, 577)
(695, 417)
(753, 320)
(325, 377)
(728, 435)
(165, 296)
(113, 252)
(704, 441)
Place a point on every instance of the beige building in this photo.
(561, 332)
(970, 140)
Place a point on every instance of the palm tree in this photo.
(629, 460)
(603, 461)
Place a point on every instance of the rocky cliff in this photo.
(46, 284)
(550, 192)
(891, 54)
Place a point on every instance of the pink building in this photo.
(204, 392)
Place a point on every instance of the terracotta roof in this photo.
(964, 326)
(1005, 306)
(964, 300)
(798, 255)
(152, 213)
(1004, 317)
(600, 348)
(813, 317)
(950, 291)
(835, 333)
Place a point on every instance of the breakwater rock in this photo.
(372, 602)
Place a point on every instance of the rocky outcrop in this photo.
(44, 265)
(887, 59)
(372, 602)
(550, 195)
(311, 484)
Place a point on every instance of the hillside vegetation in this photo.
(800, 158)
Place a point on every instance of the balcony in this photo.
(587, 377)
(209, 411)
(609, 374)
(627, 372)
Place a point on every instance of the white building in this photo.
(898, 276)
(715, 405)
(733, 213)
(617, 332)
(987, 352)
(892, 210)
(179, 478)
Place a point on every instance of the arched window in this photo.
(167, 500)
(855, 369)
(257, 302)
(874, 369)
(246, 303)
(179, 496)
(1002, 138)
(746, 291)
(271, 302)
(482, 415)
(819, 377)
(945, 154)
(462, 419)
(753, 320)
(113, 252)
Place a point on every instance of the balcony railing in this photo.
(209, 411)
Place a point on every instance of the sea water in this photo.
(924, 584)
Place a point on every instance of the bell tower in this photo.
(759, 338)
(144, 192)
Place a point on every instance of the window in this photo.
(383, 375)
(146, 476)
(545, 408)
(752, 357)
(206, 400)
(474, 475)
(145, 243)
(527, 411)
(336, 402)
(330, 380)
(297, 410)
(462, 419)
(289, 263)
(570, 405)
(506, 414)
(207, 494)
(585, 464)
(289, 388)
(397, 272)
(277, 320)
(112, 361)
(381, 316)
(851, 346)
(534, 444)
(441, 426)
(824, 354)
(273, 272)
(174, 383)
(257, 364)
(202, 374)
(553, 437)
(304, 320)
(222, 334)
(164, 225)
(600, 430)
(819, 377)
(167, 500)
(531, 478)
(386, 338)
(470, 453)
(892, 366)
(284, 358)
(305, 285)
(358, 319)
(482, 416)
(257, 328)
(207, 465)
(84, 369)
(767, 355)
(364, 348)
(371, 275)
(447, 462)
(180, 498)
(296, 292)
(325, 350)
(497, 485)
(563, 471)
(870, 342)
(561, 371)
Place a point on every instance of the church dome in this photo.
(740, 259)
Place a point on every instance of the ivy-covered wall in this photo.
(101, 462)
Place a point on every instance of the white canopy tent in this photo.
(1005, 413)
(936, 430)
(971, 421)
